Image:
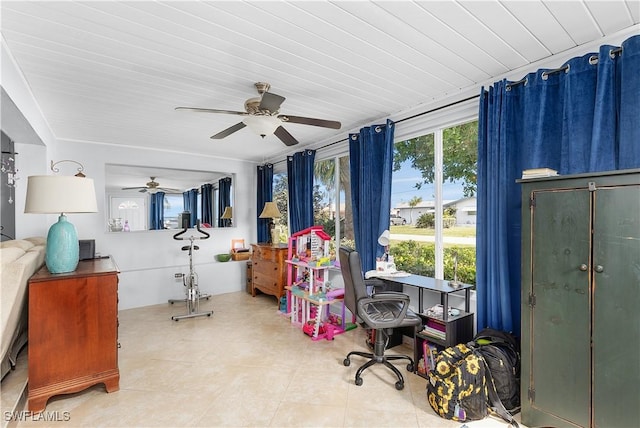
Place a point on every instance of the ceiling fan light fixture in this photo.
(262, 125)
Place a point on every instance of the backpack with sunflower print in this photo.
(457, 387)
(460, 386)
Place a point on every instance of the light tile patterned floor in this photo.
(246, 366)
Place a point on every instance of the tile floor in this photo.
(245, 366)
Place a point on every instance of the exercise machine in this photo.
(190, 280)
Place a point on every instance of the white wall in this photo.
(148, 260)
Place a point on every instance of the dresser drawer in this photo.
(265, 268)
(268, 269)
(267, 253)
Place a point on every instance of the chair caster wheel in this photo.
(359, 381)
(399, 385)
(346, 362)
(410, 367)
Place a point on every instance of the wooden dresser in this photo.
(268, 268)
(73, 331)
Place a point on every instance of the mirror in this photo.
(132, 190)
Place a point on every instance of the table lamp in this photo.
(384, 240)
(271, 211)
(58, 194)
(227, 215)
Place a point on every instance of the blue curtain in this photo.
(224, 199)
(206, 190)
(371, 162)
(156, 211)
(300, 184)
(580, 118)
(190, 202)
(264, 194)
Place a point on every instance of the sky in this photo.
(403, 187)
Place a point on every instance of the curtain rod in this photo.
(593, 60)
(400, 121)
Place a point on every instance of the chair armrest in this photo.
(391, 295)
(383, 310)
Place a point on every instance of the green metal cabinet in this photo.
(581, 300)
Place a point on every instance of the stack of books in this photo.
(538, 173)
(434, 332)
(429, 352)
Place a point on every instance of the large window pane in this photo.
(324, 196)
(413, 206)
(433, 214)
(281, 198)
(173, 207)
(346, 214)
(459, 166)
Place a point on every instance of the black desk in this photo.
(441, 286)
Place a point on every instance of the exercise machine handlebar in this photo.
(178, 237)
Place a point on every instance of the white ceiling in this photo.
(112, 72)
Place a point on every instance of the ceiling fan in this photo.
(263, 118)
(152, 187)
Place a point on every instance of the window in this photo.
(434, 189)
(132, 210)
(173, 207)
(281, 198)
(331, 202)
(433, 206)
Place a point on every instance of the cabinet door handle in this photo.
(583, 267)
(599, 268)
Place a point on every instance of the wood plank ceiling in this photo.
(113, 71)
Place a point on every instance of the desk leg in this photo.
(444, 299)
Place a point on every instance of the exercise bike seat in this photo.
(186, 248)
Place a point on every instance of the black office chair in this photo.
(381, 311)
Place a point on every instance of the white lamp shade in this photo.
(227, 214)
(51, 194)
(270, 210)
(262, 125)
(384, 238)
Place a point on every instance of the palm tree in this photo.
(325, 173)
(412, 204)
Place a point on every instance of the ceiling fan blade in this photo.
(310, 121)
(271, 102)
(212, 110)
(220, 135)
(168, 190)
(133, 188)
(284, 135)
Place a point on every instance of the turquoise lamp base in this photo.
(63, 249)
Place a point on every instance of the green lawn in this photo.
(458, 231)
